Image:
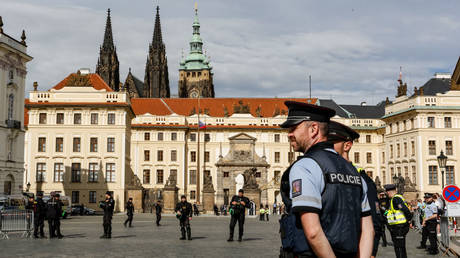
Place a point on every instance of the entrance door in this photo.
(7, 187)
(226, 193)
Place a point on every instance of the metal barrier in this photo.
(445, 231)
(416, 218)
(16, 221)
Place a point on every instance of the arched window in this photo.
(10, 106)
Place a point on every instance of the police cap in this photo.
(57, 195)
(109, 193)
(183, 196)
(389, 187)
(300, 111)
(340, 132)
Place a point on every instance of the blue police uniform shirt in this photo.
(307, 180)
(430, 209)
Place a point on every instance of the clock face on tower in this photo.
(194, 93)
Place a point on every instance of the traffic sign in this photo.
(451, 193)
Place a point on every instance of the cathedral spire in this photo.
(108, 37)
(107, 65)
(156, 79)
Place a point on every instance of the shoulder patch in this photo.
(296, 188)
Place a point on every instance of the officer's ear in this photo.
(347, 146)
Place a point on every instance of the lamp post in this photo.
(442, 160)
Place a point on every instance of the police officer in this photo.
(429, 225)
(129, 211)
(342, 137)
(184, 214)
(383, 205)
(398, 216)
(107, 205)
(238, 204)
(158, 210)
(53, 213)
(321, 191)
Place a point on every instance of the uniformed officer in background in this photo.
(107, 205)
(184, 214)
(158, 209)
(323, 193)
(237, 212)
(398, 216)
(384, 203)
(429, 225)
(129, 212)
(342, 137)
(54, 213)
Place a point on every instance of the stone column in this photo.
(208, 201)
(253, 195)
(137, 199)
(170, 198)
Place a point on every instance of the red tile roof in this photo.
(215, 107)
(96, 81)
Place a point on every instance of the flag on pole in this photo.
(201, 125)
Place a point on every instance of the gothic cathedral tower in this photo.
(195, 76)
(107, 64)
(156, 80)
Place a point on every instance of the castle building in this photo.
(195, 71)
(13, 71)
(108, 66)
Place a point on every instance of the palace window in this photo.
(277, 157)
(111, 118)
(206, 156)
(431, 123)
(10, 106)
(75, 197)
(398, 150)
(93, 172)
(173, 136)
(159, 176)
(159, 155)
(432, 147)
(76, 144)
(146, 136)
(60, 118)
(146, 176)
(369, 157)
(110, 172)
(92, 197)
(383, 157)
(58, 172)
(414, 175)
(192, 175)
(433, 175)
(412, 143)
(356, 157)
(94, 118)
(192, 195)
(146, 155)
(41, 144)
(447, 122)
(192, 156)
(449, 148)
(77, 119)
(450, 175)
(93, 144)
(41, 172)
(174, 155)
(226, 174)
(193, 137)
(59, 144)
(42, 118)
(277, 137)
(160, 136)
(207, 137)
(111, 144)
(368, 139)
(391, 151)
(76, 173)
(405, 149)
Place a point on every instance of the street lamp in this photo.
(442, 160)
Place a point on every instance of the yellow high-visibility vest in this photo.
(396, 217)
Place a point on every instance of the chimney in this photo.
(84, 71)
(363, 104)
(35, 86)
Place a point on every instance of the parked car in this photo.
(77, 210)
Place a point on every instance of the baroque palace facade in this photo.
(90, 134)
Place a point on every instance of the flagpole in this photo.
(197, 197)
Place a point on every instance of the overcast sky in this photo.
(264, 48)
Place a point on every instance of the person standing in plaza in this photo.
(53, 213)
(429, 224)
(238, 205)
(261, 213)
(342, 137)
(39, 208)
(274, 208)
(107, 205)
(398, 216)
(267, 212)
(158, 209)
(321, 191)
(184, 214)
(195, 209)
(383, 206)
(129, 212)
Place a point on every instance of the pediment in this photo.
(242, 136)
